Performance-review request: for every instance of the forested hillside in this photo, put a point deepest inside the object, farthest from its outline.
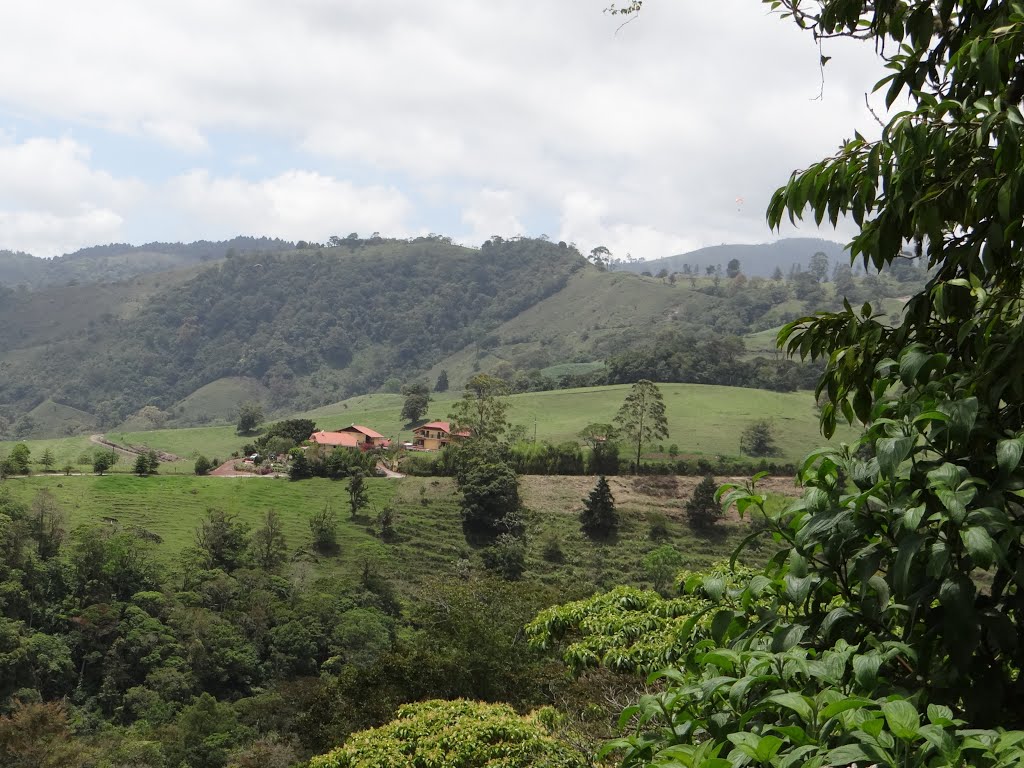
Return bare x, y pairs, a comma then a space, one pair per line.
313, 325
120, 261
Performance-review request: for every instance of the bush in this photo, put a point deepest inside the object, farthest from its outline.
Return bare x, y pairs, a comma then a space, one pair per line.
658, 526
758, 439
506, 557
202, 465
552, 550
702, 510
599, 518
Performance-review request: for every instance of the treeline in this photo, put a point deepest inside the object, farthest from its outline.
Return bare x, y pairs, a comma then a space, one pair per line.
108, 658
544, 458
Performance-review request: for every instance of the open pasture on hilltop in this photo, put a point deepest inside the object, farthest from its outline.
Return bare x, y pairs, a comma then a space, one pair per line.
430, 541
703, 420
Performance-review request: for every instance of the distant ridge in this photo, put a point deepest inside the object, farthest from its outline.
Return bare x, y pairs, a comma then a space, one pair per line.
755, 260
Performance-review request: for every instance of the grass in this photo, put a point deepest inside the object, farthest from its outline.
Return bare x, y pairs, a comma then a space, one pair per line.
703, 419
430, 540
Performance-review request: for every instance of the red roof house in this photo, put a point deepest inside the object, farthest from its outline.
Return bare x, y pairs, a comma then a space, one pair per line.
435, 435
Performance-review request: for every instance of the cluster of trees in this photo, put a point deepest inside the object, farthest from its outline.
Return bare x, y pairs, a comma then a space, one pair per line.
108, 657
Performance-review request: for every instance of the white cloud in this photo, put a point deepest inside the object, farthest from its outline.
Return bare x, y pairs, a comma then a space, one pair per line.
45, 234
492, 212
661, 124
297, 205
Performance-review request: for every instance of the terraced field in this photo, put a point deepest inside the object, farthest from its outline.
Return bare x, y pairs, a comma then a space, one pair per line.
169, 509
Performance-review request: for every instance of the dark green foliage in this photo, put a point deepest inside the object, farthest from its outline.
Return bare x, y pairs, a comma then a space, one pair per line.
357, 493
250, 416
758, 439
546, 459
506, 557
103, 461
299, 468
202, 465
490, 496
222, 540
19, 458
141, 465
702, 510
324, 527
551, 550
415, 405
47, 459
296, 430
657, 526
442, 382
599, 518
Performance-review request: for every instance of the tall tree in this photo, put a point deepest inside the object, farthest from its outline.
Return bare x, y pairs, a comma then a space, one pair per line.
442, 382
269, 546
417, 400
732, 269
641, 419
357, 494
819, 266
482, 408
599, 518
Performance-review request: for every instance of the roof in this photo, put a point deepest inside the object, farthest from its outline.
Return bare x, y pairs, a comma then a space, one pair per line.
345, 439
444, 426
362, 430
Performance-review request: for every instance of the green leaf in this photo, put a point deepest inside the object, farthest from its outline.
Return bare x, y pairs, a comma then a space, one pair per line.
891, 451
980, 546
795, 702
902, 718
1008, 454
851, 702
865, 670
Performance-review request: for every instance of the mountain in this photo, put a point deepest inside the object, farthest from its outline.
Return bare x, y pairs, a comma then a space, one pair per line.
755, 260
106, 263
311, 326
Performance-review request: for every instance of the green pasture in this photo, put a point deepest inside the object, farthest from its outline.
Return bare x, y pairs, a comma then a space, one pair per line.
703, 420
430, 540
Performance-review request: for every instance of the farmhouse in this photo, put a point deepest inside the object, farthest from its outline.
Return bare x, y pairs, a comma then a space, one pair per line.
367, 437
354, 436
435, 435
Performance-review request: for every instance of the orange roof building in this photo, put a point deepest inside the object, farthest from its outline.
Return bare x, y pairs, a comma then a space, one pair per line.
435, 435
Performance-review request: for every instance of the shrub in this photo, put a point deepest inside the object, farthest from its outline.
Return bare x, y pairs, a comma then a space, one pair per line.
702, 509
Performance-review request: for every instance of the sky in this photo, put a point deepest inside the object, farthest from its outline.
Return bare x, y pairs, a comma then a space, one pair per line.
128, 121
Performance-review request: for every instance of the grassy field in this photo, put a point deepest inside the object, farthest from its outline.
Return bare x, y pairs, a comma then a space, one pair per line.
703, 420
430, 536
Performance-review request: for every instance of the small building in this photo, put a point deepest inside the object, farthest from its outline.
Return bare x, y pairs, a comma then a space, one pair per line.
435, 436
367, 437
335, 439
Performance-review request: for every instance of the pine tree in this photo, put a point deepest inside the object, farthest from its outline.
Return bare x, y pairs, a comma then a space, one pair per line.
442, 382
47, 459
141, 465
599, 518
702, 509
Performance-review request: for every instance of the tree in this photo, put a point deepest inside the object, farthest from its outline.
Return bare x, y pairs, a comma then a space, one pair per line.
602, 439
250, 416
599, 518
47, 459
442, 382
141, 465
103, 461
269, 546
202, 465
324, 527
19, 458
702, 509
486, 734
482, 408
758, 439
357, 493
732, 269
417, 400
490, 497
295, 430
777, 274
221, 540
889, 572
641, 418
818, 266
506, 557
